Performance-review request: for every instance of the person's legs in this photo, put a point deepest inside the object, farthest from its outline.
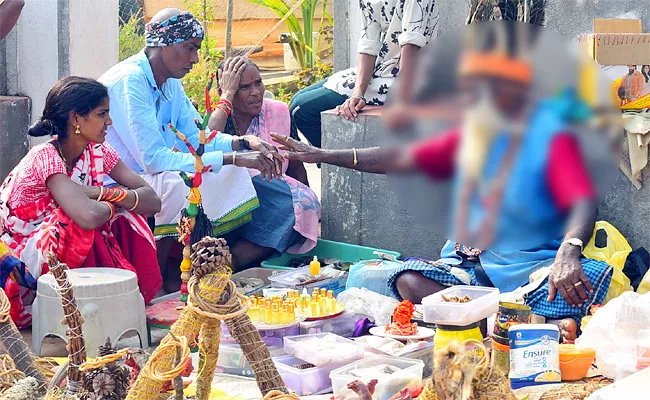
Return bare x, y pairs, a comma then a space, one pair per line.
414, 286
306, 107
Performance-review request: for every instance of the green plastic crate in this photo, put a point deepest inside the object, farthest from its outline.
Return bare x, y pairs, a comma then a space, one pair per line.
326, 248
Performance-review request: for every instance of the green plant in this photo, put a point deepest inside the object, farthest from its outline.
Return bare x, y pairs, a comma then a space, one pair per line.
130, 36
307, 77
300, 37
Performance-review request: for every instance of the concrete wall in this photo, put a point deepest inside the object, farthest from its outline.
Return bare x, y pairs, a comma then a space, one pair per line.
57, 38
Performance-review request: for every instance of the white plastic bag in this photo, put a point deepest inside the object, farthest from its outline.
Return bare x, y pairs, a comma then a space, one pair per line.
375, 306
614, 331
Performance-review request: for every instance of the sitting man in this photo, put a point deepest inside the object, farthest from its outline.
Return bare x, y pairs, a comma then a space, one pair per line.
147, 95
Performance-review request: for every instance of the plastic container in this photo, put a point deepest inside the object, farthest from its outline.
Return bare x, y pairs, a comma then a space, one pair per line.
343, 325
259, 273
290, 280
485, 302
408, 373
445, 334
232, 361
305, 382
323, 349
575, 362
271, 337
326, 248
534, 355
500, 357
372, 275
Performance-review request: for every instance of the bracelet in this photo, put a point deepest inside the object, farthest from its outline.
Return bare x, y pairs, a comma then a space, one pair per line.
244, 144
101, 193
137, 200
226, 102
355, 161
358, 96
111, 208
234, 154
114, 195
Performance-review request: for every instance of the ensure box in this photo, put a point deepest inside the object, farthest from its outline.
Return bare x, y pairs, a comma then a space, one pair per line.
534, 355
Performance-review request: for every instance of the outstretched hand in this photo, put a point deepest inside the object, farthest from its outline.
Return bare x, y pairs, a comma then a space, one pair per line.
296, 150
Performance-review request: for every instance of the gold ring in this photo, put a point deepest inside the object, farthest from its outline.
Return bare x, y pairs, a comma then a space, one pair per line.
577, 284
286, 140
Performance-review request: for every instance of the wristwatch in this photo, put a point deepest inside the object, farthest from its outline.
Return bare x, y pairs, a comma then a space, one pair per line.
575, 242
243, 144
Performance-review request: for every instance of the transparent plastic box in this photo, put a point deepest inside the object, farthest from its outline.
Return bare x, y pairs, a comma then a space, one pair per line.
271, 337
290, 279
323, 349
232, 361
343, 325
408, 374
484, 302
305, 382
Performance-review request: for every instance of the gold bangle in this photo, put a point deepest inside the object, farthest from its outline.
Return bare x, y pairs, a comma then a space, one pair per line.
234, 154
137, 200
101, 193
355, 162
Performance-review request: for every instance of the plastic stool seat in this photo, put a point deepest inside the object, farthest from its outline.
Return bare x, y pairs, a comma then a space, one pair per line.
109, 300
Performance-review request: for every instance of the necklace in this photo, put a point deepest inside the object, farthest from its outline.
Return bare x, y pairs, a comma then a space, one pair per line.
59, 149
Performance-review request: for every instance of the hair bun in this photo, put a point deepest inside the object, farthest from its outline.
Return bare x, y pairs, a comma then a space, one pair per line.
43, 127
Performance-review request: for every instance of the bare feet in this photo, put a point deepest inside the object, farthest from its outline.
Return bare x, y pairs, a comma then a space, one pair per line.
568, 329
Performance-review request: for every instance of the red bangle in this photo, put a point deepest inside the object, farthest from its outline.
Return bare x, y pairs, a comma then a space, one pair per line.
226, 102
111, 208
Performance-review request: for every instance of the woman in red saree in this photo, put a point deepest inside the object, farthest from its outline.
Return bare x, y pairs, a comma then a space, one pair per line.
55, 199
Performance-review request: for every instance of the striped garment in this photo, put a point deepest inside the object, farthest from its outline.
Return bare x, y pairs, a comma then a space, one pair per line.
598, 273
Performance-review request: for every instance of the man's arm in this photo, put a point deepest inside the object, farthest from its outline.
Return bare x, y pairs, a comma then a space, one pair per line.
136, 122
9, 14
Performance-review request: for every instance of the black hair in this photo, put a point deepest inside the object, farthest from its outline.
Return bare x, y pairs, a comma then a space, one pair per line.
621, 92
248, 61
646, 75
72, 93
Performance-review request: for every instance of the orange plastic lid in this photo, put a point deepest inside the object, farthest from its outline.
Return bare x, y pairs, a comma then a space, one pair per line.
570, 351
499, 346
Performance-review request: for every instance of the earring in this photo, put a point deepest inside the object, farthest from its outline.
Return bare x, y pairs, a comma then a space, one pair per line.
78, 131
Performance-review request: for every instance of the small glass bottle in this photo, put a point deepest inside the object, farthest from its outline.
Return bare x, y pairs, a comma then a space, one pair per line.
322, 302
275, 315
267, 312
331, 302
315, 306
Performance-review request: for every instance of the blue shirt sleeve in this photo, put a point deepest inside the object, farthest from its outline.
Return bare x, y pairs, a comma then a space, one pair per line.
136, 123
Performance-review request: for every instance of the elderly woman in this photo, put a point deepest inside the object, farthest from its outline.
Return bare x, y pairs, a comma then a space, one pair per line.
287, 218
55, 199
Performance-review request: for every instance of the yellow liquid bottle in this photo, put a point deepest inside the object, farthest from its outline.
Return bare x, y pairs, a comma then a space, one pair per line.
275, 315
331, 302
267, 312
314, 267
253, 310
315, 306
322, 303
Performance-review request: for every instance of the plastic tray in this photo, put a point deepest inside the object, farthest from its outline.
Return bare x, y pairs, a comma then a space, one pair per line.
288, 280
345, 351
423, 352
485, 302
343, 325
305, 382
410, 375
326, 248
273, 337
232, 361
260, 273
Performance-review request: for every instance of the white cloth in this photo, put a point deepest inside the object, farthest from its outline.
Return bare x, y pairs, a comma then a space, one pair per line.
519, 295
387, 25
226, 196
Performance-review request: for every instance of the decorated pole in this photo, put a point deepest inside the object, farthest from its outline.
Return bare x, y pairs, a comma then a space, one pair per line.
188, 231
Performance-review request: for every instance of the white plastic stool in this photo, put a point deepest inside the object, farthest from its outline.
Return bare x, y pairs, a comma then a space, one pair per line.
108, 298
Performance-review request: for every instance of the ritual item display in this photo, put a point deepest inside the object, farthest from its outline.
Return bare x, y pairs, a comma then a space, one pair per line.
212, 298
293, 308
462, 373
323, 349
76, 346
107, 377
402, 325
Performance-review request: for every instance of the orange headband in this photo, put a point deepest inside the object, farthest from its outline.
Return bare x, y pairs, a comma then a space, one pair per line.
497, 66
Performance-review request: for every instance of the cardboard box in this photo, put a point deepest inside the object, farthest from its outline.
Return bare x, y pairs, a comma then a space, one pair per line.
623, 52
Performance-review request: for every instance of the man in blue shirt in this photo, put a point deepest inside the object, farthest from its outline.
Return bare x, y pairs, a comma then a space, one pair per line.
146, 95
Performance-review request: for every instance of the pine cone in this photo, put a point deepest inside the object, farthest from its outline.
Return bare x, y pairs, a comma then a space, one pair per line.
209, 255
106, 349
88, 378
104, 384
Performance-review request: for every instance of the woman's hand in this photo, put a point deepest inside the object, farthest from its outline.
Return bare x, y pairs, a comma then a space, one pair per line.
230, 75
298, 151
92, 192
257, 160
267, 149
351, 107
568, 277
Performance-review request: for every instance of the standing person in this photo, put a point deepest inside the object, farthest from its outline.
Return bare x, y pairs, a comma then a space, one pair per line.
290, 222
147, 95
632, 83
392, 33
55, 199
645, 71
9, 14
